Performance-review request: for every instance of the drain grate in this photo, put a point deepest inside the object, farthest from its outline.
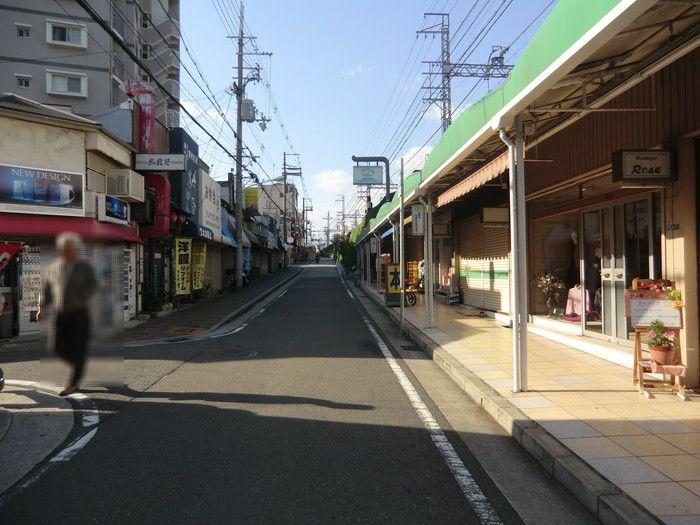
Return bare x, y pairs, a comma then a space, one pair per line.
186, 330
238, 353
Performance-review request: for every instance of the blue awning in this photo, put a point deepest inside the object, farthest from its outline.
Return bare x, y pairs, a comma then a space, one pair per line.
227, 227
390, 231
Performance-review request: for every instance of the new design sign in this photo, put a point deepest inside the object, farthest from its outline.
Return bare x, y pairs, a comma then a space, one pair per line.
183, 184
34, 190
159, 162
367, 175
183, 265
647, 165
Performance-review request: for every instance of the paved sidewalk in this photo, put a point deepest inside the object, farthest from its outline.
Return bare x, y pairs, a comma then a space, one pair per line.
649, 448
33, 422
198, 317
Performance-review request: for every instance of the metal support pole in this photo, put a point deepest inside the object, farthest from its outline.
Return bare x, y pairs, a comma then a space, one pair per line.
514, 260
522, 247
429, 270
402, 252
379, 261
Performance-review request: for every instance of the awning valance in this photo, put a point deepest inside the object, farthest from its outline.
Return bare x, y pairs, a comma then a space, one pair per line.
480, 177
52, 225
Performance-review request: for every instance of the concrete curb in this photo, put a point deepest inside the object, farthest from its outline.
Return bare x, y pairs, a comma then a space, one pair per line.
5, 421
599, 495
250, 304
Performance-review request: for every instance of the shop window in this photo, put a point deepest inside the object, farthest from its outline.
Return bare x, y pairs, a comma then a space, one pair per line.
555, 273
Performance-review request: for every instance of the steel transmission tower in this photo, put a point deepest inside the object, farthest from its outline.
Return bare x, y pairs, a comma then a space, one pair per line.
445, 69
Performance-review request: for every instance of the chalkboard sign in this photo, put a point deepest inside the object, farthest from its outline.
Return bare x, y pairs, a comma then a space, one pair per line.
644, 306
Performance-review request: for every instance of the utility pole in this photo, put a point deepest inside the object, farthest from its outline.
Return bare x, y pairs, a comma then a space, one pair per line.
239, 90
239, 157
287, 171
341, 215
328, 228
305, 217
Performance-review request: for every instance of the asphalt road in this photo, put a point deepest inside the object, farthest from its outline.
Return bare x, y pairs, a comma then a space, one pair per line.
295, 416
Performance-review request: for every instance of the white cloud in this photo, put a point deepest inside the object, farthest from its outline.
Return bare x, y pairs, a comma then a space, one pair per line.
331, 181
434, 113
357, 70
414, 158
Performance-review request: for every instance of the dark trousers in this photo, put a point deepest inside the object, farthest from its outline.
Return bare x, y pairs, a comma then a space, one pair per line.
72, 334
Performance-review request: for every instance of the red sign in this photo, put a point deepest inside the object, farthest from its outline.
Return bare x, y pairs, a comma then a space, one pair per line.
146, 97
7, 251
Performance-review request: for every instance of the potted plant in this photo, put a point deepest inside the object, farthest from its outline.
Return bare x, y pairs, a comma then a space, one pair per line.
662, 345
676, 297
551, 287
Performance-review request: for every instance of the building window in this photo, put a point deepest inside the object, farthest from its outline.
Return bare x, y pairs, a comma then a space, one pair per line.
66, 34
23, 82
145, 51
67, 84
146, 20
24, 31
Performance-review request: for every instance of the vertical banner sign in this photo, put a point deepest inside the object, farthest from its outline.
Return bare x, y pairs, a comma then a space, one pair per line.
199, 257
183, 263
417, 219
393, 284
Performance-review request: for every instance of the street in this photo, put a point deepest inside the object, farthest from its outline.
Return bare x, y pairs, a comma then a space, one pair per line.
296, 417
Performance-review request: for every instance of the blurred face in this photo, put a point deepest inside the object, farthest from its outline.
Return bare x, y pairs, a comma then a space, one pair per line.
69, 251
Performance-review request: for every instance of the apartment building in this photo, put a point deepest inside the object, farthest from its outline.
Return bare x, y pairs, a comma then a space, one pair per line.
271, 201
53, 52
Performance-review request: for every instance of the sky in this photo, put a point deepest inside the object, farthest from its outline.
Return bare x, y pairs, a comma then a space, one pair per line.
345, 77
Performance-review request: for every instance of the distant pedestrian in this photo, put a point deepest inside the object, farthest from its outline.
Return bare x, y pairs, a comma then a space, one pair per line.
70, 283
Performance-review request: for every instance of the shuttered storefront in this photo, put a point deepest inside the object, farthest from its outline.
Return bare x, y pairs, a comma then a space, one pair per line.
484, 265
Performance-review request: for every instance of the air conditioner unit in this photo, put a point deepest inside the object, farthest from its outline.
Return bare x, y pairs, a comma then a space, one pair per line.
91, 206
126, 185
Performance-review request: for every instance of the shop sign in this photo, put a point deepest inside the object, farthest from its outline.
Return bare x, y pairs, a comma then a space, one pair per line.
40, 191
367, 175
183, 265
199, 257
649, 165
7, 251
393, 285
113, 210
417, 221
183, 184
159, 162
209, 205
644, 307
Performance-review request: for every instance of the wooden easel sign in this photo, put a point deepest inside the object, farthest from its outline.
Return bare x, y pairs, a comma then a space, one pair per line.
645, 306
645, 303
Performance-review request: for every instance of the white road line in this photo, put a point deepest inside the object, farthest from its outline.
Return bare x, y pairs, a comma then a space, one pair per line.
473, 494
280, 295
90, 418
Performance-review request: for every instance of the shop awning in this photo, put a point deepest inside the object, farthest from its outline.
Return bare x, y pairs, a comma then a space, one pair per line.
52, 225
480, 177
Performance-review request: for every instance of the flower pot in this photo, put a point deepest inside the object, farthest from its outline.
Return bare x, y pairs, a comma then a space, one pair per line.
664, 355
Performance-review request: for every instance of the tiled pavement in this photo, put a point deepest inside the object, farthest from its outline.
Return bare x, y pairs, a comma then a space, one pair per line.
648, 447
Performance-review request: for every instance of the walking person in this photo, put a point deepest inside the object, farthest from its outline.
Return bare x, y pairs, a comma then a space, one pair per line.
70, 283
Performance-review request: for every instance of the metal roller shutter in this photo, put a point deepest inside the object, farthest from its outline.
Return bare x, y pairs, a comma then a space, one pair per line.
496, 262
470, 267
484, 265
